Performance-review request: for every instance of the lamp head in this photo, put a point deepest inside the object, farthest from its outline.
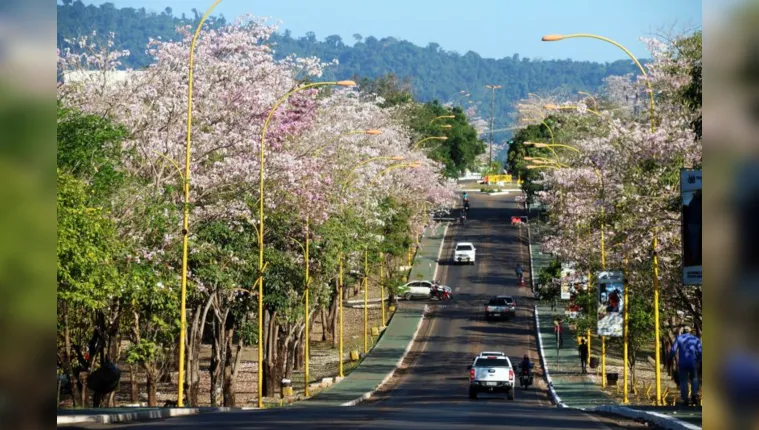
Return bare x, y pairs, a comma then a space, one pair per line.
552, 37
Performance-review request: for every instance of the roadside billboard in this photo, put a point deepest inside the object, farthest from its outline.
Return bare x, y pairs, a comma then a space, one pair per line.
692, 238
567, 280
611, 289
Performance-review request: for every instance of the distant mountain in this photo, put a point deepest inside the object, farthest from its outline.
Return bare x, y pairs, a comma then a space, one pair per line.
433, 72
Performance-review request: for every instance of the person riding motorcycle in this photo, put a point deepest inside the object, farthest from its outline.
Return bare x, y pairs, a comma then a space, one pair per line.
526, 364
526, 367
520, 272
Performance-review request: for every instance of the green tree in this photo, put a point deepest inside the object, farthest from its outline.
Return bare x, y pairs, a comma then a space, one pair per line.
459, 152
89, 283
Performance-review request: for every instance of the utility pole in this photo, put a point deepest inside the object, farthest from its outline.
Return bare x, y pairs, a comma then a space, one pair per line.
492, 118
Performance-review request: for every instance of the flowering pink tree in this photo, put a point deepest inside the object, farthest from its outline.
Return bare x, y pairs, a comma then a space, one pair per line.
309, 156
625, 178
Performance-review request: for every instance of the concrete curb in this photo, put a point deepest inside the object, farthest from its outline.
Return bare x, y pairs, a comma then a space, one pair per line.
158, 413
662, 420
554, 396
439, 252
361, 301
368, 395
529, 249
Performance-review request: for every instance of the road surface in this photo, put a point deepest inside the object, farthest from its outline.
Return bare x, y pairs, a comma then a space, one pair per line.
431, 393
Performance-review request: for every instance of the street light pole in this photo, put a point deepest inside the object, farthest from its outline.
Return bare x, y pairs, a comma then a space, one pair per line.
260, 229
307, 391
558, 37
340, 317
366, 299
382, 287
492, 119
186, 215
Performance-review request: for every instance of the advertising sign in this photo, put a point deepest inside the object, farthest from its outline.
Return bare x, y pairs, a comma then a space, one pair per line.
691, 190
567, 279
611, 289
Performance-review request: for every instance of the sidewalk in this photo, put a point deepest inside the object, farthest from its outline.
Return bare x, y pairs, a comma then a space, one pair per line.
425, 261
572, 387
396, 340
374, 370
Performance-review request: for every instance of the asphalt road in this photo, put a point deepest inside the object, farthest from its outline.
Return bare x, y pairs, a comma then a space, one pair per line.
431, 393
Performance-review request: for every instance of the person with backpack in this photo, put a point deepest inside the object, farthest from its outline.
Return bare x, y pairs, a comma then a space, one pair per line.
689, 348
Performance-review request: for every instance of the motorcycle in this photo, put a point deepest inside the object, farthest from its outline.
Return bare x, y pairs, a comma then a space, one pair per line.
525, 378
440, 292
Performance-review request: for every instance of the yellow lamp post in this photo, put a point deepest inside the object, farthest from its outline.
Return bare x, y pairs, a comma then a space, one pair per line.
595, 102
412, 165
441, 117
260, 229
340, 282
349, 176
556, 107
557, 37
306, 345
657, 334
625, 377
186, 215
416, 145
366, 299
370, 132
340, 317
548, 127
543, 160
492, 87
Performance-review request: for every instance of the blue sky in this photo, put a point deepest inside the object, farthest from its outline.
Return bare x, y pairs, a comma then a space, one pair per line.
491, 28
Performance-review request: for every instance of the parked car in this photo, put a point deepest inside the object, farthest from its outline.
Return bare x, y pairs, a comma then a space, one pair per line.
420, 290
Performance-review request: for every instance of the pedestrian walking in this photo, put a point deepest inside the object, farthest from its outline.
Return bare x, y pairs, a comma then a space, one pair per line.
688, 362
583, 349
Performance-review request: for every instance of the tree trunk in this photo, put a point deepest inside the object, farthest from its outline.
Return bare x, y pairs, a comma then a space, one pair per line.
272, 373
83, 381
325, 326
134, 389
197, 342
218, 354
67, 366
151, 385
229, 367
332, 318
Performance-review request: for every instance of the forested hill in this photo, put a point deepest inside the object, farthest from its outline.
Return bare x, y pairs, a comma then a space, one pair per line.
433, 72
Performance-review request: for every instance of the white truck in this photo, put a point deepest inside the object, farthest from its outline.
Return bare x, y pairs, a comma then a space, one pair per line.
464, 252
500, 307
491, 374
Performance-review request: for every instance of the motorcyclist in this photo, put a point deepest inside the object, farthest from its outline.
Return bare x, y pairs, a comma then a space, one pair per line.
526, 364
466, 196
526, 367
520, 272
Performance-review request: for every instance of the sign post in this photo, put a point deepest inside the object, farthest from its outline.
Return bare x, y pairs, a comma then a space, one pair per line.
610, 304
692, 239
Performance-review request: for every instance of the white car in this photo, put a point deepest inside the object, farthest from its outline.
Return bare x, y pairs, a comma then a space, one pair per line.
419, 289
491, 374
464, 252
